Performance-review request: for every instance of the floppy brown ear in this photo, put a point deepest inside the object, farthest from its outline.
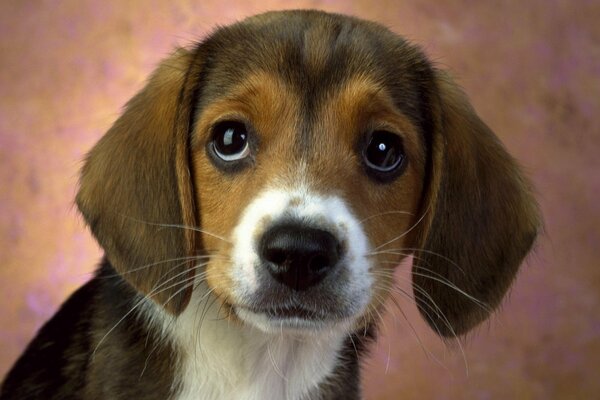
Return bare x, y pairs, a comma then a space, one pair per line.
481, 219
137, 178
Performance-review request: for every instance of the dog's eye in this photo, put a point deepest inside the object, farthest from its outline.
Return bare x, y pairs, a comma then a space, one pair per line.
384, 152
230, 140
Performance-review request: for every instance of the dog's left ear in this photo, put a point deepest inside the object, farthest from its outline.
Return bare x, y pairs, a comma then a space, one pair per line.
480, 218
136, 192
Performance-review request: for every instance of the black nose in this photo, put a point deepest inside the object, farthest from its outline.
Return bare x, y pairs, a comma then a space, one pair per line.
297, 256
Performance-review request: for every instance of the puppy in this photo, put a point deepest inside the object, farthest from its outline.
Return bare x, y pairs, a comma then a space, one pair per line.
252, 202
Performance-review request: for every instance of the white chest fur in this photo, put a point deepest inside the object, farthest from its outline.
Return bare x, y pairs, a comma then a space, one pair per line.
220, 360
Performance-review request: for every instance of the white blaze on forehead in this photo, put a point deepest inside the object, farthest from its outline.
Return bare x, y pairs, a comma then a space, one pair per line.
306, 207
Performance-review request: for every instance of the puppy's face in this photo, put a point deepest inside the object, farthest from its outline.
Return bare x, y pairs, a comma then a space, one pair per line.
303, 185
307, 154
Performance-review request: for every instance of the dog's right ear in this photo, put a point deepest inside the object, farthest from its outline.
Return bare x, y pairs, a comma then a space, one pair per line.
136, 191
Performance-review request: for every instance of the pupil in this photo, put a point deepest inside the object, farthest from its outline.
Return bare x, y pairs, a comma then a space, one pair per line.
384, 151
231, 138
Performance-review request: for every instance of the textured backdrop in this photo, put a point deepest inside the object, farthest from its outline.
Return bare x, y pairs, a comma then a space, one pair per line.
531, 68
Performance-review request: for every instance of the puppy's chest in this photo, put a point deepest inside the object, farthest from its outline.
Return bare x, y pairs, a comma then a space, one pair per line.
220, 360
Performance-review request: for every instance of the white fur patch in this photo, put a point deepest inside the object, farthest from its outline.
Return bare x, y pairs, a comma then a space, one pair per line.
220, 360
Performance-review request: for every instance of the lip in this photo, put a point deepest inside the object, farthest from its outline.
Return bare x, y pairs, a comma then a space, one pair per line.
295, 312
291, 319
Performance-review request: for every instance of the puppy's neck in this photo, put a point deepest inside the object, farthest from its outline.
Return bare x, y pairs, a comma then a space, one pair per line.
222, 359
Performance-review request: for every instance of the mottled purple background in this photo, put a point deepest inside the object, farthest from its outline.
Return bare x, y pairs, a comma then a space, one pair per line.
531, 68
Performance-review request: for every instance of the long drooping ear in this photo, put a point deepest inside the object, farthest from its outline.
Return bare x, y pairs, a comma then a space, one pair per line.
480, 219
136, 192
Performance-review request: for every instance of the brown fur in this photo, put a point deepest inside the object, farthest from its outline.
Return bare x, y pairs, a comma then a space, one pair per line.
137, 178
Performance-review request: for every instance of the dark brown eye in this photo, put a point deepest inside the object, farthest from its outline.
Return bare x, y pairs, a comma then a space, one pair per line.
230, 140
384, 152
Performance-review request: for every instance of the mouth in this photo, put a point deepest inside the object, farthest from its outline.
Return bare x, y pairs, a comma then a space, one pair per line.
289, 311
294, 318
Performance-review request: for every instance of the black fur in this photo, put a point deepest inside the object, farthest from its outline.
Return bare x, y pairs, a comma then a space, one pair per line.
64, 360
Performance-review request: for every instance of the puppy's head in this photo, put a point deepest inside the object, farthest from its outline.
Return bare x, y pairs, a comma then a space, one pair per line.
290, 161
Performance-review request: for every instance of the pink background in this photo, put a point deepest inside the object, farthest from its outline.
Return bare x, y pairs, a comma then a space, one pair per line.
531, 68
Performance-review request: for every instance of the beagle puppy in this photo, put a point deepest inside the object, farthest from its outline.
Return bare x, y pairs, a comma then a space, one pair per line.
253, 200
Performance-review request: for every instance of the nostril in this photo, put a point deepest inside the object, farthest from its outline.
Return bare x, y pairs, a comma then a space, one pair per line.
319, 264
275, 255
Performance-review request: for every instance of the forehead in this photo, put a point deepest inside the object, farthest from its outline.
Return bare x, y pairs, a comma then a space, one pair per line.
315, 55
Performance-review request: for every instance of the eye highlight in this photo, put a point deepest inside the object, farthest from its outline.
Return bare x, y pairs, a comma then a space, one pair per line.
230, 140
384, 154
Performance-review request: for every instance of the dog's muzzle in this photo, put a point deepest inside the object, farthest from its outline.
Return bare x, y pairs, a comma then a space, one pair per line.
306, 268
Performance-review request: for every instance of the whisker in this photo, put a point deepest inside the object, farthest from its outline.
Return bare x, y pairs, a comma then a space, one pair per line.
273, 363
449, 284
439, 278
199, 325
192, 228
147, 359
403, 293
437, 311
195, 229
151, 294
189, 282
431, 304
353, 345
385, 213
187, 258
405, 232
412, 250
380, 300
